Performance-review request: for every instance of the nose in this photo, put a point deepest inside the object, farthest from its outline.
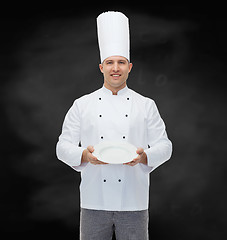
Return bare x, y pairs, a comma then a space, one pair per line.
115, 67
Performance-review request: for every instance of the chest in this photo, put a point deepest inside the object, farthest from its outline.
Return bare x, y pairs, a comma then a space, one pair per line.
112, 118
114, 113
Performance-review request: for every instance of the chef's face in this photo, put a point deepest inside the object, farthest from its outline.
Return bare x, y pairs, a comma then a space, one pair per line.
115, 70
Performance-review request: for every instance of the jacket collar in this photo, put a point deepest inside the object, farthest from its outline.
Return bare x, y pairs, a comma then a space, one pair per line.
121, 92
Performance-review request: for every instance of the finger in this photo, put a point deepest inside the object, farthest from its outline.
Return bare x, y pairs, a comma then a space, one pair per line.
140, 151
136, 159
91, 157
132, 163
95, 162
128, 163
100, 162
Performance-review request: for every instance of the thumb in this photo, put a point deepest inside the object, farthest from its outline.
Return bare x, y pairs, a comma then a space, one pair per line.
90, 149
140, 151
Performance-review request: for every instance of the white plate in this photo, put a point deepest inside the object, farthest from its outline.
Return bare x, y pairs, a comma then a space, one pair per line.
115, 152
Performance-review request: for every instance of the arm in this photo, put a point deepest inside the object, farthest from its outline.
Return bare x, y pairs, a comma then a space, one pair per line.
160, 146
67, 148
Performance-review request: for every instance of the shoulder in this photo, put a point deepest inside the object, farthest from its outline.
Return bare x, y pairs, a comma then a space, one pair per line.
146, 103
87, 98
142, 99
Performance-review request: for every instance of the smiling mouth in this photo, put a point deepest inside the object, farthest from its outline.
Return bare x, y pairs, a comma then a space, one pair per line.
115, 75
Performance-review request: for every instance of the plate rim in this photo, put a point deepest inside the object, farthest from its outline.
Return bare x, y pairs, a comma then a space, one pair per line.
101, 145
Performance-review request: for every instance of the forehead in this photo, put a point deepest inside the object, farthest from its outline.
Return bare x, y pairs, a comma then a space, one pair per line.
116, 58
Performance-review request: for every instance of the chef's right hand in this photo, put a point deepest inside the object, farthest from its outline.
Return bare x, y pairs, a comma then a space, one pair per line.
87, 156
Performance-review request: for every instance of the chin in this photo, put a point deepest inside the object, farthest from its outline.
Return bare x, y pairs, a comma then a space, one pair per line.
116, 83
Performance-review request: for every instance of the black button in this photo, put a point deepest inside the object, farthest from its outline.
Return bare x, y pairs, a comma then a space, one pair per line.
104, 180
126, 115
100, 115
128, 98
101, 137
100, 98
123, 137
119, 180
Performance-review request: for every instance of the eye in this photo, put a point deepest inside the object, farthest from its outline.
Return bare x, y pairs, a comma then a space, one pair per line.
122, 62
109, 63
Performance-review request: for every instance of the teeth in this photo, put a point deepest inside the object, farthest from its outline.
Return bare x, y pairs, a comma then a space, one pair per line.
115, 75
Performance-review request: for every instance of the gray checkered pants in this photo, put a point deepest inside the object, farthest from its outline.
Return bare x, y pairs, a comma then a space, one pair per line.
100, 225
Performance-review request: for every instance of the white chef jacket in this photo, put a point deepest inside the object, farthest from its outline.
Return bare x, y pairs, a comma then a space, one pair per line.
102, 116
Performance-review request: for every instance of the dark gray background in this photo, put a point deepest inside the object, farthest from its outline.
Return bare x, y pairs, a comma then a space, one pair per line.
50, 58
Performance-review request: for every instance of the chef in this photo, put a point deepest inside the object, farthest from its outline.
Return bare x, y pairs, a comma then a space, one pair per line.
114, 197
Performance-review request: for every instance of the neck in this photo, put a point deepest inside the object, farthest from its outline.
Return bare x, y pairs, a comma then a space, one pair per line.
113, 89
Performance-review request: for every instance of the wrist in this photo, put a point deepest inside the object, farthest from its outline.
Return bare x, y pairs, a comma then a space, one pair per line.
84, 156
144, 159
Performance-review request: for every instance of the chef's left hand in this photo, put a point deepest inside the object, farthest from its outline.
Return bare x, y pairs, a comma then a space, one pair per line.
141, 158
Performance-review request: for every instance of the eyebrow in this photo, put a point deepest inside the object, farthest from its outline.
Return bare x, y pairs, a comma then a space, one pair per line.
121, 60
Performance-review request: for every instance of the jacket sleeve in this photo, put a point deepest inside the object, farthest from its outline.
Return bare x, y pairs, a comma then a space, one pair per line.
160, 147
67, 148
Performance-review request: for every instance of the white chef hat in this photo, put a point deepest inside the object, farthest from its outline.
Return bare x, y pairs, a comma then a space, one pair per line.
113, 35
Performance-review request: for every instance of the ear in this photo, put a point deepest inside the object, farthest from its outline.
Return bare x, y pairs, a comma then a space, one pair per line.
101, 67
130, 67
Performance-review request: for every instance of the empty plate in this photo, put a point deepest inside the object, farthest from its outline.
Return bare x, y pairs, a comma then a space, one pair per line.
115, 152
